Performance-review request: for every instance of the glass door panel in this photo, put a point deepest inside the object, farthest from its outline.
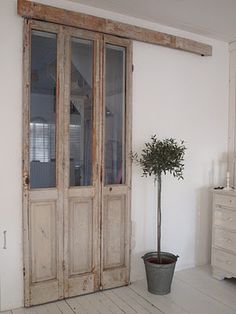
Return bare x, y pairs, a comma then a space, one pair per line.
81, 112
42, 149
114, 114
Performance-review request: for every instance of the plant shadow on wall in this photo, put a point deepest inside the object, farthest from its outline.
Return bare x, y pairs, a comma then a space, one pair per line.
158, 158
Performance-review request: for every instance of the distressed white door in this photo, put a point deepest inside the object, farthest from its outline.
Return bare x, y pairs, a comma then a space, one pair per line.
76, 164
43, 163
116, 174
81, 155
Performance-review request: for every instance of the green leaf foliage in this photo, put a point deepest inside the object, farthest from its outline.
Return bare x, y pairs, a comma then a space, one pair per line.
161, 156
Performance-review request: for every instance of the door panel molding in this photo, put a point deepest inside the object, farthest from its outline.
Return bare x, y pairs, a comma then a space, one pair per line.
114, 231
43, 235
80, 236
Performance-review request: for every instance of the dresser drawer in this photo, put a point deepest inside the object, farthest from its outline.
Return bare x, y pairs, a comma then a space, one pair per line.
225, 200
225, 218
224, 239
224, 261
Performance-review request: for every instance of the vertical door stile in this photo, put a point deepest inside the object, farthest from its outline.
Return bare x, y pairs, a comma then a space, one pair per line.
25, 164
101, 152
129, 119
101, 175
60, 158
67, 67
97, 118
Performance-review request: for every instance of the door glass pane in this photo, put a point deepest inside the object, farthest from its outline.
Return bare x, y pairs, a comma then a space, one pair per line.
81, 112
115, 115
42, 148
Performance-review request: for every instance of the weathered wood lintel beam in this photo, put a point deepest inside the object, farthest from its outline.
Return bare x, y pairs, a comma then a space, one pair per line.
33, 10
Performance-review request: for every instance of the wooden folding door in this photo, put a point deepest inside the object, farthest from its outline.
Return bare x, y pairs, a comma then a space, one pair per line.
76, 165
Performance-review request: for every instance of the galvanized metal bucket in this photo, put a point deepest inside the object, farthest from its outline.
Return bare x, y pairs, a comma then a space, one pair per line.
159, 276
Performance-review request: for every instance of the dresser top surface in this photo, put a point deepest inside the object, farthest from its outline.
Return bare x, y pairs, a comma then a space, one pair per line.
225, 192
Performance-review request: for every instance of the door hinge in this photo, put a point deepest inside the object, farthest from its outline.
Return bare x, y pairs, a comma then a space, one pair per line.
26, 181
24, 271
132, 68
63, 266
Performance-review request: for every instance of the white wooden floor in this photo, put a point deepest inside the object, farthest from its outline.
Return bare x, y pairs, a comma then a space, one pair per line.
193, 291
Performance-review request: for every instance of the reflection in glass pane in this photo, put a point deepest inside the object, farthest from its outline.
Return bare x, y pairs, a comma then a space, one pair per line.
42, 149
115, 115
81, 112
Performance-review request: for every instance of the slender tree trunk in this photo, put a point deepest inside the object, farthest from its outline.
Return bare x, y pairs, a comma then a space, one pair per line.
159, 218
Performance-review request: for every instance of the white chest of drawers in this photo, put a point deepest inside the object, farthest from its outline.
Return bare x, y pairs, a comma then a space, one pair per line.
223, 254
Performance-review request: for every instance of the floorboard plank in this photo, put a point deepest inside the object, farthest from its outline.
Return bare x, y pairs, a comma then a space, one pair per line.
111, 307
64, 307
200, 278
123, 306
54, 308
50, 308
30, 310
194, 301
160, 302
92, 303
80, 305
138, 304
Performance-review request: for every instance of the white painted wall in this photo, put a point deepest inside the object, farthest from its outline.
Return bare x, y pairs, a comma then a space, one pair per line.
183, 96
10, 158
176, 94
232, 112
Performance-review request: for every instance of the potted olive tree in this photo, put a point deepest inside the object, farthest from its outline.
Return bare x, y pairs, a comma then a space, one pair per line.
158, 158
